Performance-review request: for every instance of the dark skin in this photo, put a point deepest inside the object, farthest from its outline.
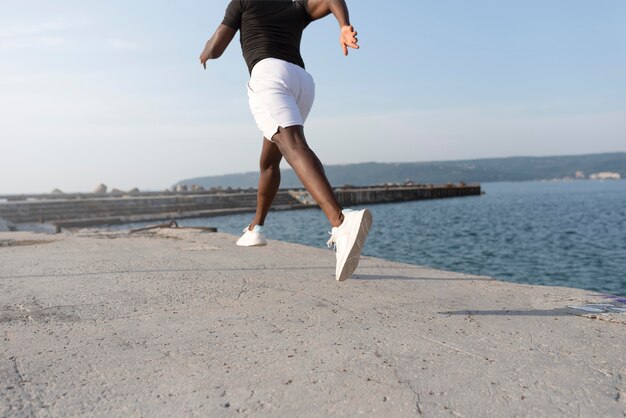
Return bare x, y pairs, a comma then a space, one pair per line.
290, 142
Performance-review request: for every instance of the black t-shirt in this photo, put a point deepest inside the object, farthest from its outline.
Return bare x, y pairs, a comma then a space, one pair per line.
269, 28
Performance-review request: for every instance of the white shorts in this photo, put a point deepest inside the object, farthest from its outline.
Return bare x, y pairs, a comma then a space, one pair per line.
280, 94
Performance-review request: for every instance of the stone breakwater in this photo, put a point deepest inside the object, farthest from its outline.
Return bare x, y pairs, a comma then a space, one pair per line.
81, 210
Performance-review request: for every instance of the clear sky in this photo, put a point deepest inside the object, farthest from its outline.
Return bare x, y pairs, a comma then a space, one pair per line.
112, 91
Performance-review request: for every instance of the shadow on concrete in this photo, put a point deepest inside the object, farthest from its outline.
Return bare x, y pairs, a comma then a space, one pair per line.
514, 312
397, 277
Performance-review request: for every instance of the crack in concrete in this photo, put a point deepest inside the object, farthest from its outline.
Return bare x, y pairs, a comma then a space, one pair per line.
30, 404
416, 396
243, 288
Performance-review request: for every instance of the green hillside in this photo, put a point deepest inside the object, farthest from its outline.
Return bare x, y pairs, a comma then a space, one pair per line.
469, 171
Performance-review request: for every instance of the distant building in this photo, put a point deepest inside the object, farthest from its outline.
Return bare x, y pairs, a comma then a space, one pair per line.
580, 175
605, 175
101, 189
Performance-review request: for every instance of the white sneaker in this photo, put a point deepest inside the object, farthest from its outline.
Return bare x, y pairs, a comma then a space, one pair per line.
254, 238
348, 239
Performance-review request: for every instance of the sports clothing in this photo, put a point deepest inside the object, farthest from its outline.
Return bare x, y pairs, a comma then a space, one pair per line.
280, 94
254, 238
348, 240
269, 28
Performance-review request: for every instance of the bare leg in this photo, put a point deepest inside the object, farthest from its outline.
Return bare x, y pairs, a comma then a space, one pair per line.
269, 181
292, 145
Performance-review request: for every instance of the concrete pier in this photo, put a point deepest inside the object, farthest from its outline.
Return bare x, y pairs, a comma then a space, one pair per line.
184, 323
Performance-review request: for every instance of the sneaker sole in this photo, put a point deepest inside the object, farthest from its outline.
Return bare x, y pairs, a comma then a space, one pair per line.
263, 244
359, 230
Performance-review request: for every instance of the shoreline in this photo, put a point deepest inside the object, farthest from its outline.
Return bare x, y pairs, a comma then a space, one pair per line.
436, 251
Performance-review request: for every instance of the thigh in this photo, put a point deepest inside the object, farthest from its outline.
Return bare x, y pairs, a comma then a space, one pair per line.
279, 100
307, 95
273, 105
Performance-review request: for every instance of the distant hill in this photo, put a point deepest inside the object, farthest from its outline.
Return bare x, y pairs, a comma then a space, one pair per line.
435, 172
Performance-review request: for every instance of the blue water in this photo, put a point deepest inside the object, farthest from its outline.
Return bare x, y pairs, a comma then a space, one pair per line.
553, 233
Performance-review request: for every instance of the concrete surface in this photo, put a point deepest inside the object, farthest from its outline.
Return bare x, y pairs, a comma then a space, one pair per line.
182, 323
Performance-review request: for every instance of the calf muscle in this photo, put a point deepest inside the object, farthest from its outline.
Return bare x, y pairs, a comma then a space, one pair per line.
309, 169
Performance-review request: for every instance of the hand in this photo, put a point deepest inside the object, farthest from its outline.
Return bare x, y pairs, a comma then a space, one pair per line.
348, 39
204, 56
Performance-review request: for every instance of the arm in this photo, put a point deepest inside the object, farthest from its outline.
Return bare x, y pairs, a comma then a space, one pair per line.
218, 43
319, 9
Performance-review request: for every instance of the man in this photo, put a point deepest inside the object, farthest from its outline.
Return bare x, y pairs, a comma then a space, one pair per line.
281, 95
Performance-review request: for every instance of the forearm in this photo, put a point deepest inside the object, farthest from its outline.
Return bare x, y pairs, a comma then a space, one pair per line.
339, 9
215, 46
319, 9
218, 43
211, 52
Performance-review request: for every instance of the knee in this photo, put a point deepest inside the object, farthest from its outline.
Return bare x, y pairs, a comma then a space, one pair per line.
290, 139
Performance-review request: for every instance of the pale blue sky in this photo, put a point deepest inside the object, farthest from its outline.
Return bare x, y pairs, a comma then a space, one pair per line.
112, 91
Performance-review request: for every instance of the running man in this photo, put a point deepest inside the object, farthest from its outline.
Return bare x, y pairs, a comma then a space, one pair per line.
281, 94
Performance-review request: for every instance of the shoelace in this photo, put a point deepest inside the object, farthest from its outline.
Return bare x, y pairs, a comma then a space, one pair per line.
332, 242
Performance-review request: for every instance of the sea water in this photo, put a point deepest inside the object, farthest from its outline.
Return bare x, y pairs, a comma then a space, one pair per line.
562, 233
